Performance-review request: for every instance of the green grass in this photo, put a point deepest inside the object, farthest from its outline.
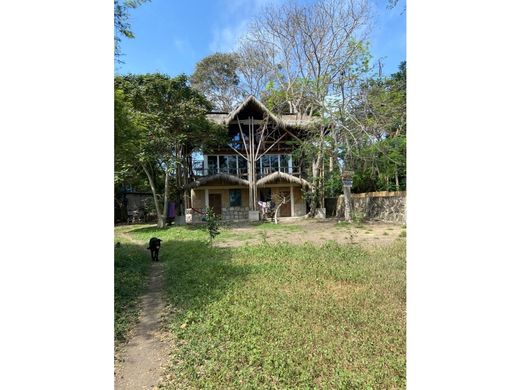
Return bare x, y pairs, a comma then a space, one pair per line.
283, 316
131, 268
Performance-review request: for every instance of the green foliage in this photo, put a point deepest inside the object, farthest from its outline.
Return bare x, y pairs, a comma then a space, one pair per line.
160, 121
275, 99
216, 77
374, 146
172, 113
377, 166
128, 136
212, 224
384, 107
333, 186
122, 26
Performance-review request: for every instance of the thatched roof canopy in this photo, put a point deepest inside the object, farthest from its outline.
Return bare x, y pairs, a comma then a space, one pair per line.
219, 176
282, 176
251, 106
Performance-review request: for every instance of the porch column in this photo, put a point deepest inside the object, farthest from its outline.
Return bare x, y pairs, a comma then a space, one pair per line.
292, 202
206, 197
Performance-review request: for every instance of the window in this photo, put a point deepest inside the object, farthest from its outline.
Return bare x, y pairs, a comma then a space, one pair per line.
242, 165
258, 169
222, 162
235, 198
212, 165
266, 166
274, 162
284, 162
232, 164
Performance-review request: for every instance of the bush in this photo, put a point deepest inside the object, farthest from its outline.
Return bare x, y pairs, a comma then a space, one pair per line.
212, 224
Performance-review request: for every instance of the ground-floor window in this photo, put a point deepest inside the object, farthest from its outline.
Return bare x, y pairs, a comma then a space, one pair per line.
235, 198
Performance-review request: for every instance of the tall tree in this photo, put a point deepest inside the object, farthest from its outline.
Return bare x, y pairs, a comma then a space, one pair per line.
216, 77
171, 125
311, 50
376, 123
255, 74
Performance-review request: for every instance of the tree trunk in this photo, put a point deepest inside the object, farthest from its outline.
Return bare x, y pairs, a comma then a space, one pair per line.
316, 186
161, 223
154, 192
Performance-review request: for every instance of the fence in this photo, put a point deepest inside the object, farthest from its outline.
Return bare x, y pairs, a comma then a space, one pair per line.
383, 206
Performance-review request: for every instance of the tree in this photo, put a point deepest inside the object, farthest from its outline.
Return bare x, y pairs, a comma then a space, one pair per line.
279, 199
122, 26
380, 116
216, 77
312, 52
169, 124
255, 74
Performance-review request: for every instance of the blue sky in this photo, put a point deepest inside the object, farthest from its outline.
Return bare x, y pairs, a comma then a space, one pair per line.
172, 36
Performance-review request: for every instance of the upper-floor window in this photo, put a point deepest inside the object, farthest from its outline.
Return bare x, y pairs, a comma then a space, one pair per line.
237, 165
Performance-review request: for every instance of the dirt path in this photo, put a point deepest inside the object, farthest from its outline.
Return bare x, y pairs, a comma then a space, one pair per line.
143, 358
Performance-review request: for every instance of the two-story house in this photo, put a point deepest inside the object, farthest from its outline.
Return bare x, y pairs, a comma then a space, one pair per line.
257, 165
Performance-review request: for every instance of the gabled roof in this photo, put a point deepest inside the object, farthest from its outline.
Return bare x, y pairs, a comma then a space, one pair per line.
251, 102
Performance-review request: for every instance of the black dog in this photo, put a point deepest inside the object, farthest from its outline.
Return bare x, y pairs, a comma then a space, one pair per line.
154, 246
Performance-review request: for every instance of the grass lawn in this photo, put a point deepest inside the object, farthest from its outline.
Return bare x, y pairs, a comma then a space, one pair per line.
130, 279
283, 316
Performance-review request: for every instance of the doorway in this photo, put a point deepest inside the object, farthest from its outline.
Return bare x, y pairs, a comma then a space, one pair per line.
215, 202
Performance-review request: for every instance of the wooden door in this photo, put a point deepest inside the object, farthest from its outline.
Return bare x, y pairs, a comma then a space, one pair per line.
285, 209
215, 202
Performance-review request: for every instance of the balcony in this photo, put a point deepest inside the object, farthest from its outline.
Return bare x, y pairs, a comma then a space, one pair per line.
200, 171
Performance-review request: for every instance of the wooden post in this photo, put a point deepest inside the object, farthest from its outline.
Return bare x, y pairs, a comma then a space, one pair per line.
346, 194
292, 201
347, 183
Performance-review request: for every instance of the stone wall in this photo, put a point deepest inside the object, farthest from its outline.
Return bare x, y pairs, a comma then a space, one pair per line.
378, 206
235, 213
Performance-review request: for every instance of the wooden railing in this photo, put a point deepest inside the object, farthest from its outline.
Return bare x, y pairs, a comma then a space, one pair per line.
242, 172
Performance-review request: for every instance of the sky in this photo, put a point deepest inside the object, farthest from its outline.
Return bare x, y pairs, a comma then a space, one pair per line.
172, 36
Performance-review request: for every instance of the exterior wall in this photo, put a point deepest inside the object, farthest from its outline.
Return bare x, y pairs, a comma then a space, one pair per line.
197, 199
224, 196
228, 213
238, 213
300, 209
245, 197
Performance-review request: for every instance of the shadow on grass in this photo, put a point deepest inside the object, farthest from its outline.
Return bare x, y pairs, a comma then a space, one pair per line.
154, 229
197, 275
131, 269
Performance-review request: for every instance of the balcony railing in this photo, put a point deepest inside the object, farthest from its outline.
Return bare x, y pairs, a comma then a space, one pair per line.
242, 172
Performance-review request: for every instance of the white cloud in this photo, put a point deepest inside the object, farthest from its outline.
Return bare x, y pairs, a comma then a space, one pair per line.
226, 39
233, 22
